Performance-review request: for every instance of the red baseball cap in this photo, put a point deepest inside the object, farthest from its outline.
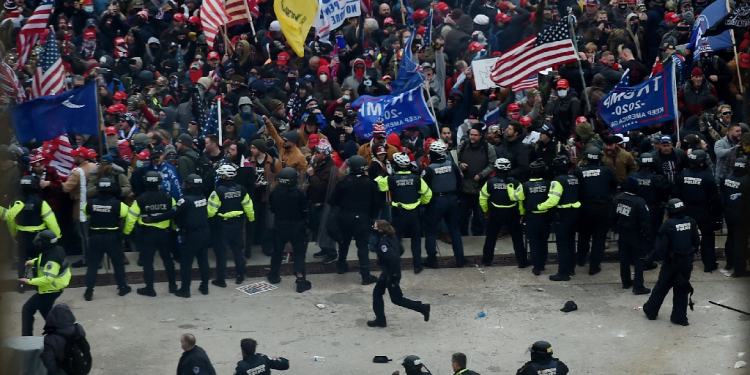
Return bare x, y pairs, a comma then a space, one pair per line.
581, 119
91, 154
672, 17
502, 17
36, 158
89, 34
179, 17
745, 60
80, 151
562, 84
143, 155
389, 21
421, 30
213, 55
475, 47
120, 95
525, 120
313, 140
419, 14
442, 7
283, 58
513, 107
111, 130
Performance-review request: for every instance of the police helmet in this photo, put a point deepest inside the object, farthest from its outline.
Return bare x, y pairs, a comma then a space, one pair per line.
502, 164
697, 157
594, 155
152, 179
227, 170
412, 363
561, 160
30, 183
741, 165
647, 160
630, 184
193, 181
45, 239
357, 165
402, 160
104, 185
288, 176
675, 206
538, 166
541, 347
439, 147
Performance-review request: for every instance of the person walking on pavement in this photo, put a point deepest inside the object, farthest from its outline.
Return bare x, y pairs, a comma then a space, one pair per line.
105, 211
500, 210
630, 215
389, 250
409, 193
155, 236
230, 202
735, 192
532, 194
597, 184
289, 206
563, 201
256, 363
442, 177
676, 242
52, 276
358, 199
194, 360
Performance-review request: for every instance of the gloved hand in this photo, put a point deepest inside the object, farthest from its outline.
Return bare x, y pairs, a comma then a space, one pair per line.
147, 219
193, 36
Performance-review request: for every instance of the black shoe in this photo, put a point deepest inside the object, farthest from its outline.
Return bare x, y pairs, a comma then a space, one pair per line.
523, 265
247, 254
431, 262
627, 285
320, 254
426, 311
650, 266
219, 283
203, 288
648, 315
88, 295
740, 273
369, 279
139, 262
342, 268
239, 279
487, 263
267, 252
536, 271
559, 277
146, 291
418, 270
641, 290
21, 288
376, 323
79, 264
172, 287
572, 272
729, 266
182, 293
460, 262
681, 322
594, 270
581, 262
711, 268
274, 279
303, 285
124, 290
329, 259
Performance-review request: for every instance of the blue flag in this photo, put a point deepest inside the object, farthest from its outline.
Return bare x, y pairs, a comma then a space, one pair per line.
409, 73
712, 14
492, 117
651, 102
427, 37
397, 112
48, 117
212, 124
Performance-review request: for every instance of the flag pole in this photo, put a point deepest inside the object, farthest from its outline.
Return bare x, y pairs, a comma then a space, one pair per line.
429, 100
736, 58
580, 68
219, 123
249, 18
674, 100
403, 13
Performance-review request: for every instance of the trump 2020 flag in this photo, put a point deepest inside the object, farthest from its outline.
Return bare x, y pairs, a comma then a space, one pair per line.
397, 112
48, 117
710, 16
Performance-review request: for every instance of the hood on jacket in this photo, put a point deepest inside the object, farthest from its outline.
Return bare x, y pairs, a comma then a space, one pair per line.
60, 320
394, 140
152, 40
350, 149
171, 114
465, 24
357, 61
585, 131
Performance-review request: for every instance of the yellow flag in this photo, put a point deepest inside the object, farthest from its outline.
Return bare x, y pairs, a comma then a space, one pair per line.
296, 17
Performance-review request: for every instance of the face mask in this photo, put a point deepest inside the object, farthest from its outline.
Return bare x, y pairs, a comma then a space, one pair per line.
622, 6
162, 119
368, 64
515, 115
88, 9
323, 78
562, 93
269, 85
359, 72
174, 84
69, 80
338, 118
405, 40
346, 97
246, 109
139, 163
634, 26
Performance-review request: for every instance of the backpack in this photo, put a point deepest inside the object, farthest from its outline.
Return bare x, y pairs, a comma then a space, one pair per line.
77, 355
205, 170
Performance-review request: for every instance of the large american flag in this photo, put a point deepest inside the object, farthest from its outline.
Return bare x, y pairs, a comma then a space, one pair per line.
527, 84
239, 10
29, 34
9, 84
49, 78
550, 48
213, 15
212, 124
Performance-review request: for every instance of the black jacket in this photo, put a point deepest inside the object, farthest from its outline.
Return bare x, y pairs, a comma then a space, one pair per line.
389, 251
515, 151
195, 362
259, 364
60, 325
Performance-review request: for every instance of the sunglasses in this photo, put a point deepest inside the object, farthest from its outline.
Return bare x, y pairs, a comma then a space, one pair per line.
729, 113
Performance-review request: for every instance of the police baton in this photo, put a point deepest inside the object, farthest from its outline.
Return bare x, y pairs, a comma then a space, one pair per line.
730, 308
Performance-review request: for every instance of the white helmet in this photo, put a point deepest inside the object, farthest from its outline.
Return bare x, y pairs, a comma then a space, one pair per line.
227, 170
439, 147
502, 164
401, 159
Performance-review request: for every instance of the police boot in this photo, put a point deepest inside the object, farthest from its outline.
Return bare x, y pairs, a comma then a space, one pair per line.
377, 323
369, 279
431, 261
426, 311
147, 291
303, 285
172, 287
342, 268
274, 279
650, 266
460, 262
203, 288
240, 279
641, 290
88, 295
219, 283
559, 277
124, 290
247, 253
184, 293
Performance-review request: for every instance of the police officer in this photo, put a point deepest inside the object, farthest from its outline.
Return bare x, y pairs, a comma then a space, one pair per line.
735, 192
191, 216
501, 211
358, 199
532, 194
442, 177
654, 189
563, 200
409, 192
105, 212
289, 206
389, 251
194, 360
231, 202
696, 187
597, 182
155, 235
28, 216
52, 276
256, 363
542, 361
413, 365
676, 242
630, 214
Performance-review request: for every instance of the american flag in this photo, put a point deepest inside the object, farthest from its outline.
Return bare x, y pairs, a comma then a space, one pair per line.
212, 124
213, 15
57, 152
238, 11
49, 78
9, 84
550, 48
29, 34
366, 6
427, 37
527, 84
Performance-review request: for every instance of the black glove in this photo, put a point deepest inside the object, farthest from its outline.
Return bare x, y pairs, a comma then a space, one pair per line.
147, 219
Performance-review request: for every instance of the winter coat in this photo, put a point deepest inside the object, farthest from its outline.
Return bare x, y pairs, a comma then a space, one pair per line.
58, 328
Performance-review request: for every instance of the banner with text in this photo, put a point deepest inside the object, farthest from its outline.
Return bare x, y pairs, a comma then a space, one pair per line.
397, 112
333, 13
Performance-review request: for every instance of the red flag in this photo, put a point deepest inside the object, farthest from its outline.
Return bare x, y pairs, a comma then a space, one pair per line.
213, 15
29, 34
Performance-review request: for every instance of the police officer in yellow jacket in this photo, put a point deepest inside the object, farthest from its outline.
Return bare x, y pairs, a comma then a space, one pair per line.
105, 212
230, 202
538, 220
28, 216
154, 236
409, 192
52, 276
501, 211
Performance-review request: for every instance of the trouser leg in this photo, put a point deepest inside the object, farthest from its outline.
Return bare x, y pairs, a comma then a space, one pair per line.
232, 233
115, 252
708, 242
624, 251
451, 218
660, 290
148, 248
398, 299
189, 252
97, 245
494, 225
565, 239
433, 215
378, 306
38, 302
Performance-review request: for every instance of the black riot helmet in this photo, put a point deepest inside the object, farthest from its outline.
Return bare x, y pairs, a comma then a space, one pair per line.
412, 363
193, 181
561, 163
594, 155
357, 165
152, 179
541, 350
288, 176
45, 239
647, 161
741, 167
30, 183
675, 207
697, 157
104, 186
538, 167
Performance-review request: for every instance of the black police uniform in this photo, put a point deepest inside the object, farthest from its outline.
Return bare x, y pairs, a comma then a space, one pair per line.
152, 239
389, 251
565, 217
443, 178
676, 242
630, 214
504, 212
358, 199
735, 192
231, 195
654, 189
597, 182
259, 364
405, 188
697, 188
537, 220
289, 206
104, 213
195, 362
553, 367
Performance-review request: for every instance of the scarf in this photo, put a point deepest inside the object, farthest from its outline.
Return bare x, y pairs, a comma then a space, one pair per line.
121, 51
88, 49
82, 203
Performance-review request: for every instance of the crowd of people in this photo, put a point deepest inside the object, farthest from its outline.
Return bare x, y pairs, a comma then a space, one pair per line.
283, 163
